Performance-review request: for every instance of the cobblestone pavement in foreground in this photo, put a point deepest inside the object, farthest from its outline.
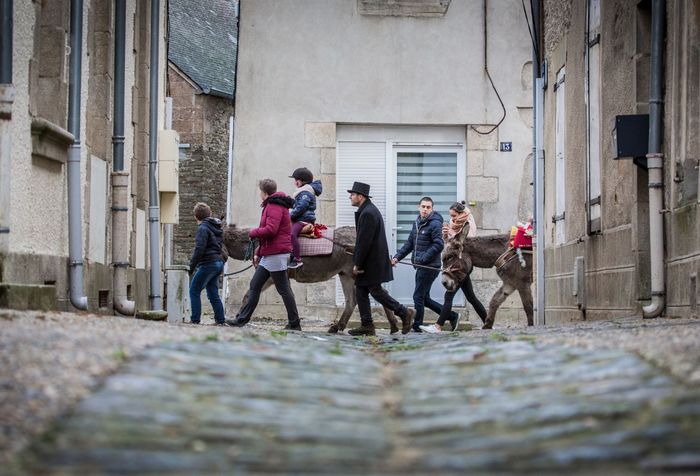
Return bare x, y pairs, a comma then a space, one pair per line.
469, 402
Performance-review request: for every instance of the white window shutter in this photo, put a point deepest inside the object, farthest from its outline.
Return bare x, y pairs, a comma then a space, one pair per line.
560, 163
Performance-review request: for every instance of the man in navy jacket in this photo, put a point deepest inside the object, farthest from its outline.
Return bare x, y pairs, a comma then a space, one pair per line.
425, 243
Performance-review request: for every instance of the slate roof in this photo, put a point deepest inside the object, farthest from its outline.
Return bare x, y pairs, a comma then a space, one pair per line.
202, 42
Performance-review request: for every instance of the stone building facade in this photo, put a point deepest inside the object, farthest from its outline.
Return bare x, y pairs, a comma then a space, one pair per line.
201, 74
34, 259
592, 79
202, 122
369, 86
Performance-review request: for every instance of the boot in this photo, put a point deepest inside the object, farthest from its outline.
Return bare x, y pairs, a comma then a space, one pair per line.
293, 326
407, 321
363, 330
237, 322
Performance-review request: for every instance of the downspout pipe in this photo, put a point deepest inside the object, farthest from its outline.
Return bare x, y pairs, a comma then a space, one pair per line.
6, 42
231, 138
75, 219
6, 101
154, 208
538, 162
655, 162
120, 178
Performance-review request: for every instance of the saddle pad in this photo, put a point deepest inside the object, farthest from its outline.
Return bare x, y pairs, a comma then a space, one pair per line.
317, 246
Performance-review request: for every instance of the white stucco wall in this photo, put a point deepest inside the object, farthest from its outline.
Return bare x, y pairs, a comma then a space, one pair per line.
320, 61
38, 223
39, 202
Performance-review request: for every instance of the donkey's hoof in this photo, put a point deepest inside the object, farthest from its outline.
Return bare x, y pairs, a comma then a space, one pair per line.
393, 329
488, 325
333, 329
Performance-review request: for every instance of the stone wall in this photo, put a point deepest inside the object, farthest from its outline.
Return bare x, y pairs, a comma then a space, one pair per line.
202, 121
617, 258
38, 242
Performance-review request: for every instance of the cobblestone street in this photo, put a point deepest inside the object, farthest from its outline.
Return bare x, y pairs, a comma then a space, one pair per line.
575, 399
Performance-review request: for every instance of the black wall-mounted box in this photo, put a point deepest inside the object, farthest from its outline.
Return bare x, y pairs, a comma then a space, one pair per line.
632, 138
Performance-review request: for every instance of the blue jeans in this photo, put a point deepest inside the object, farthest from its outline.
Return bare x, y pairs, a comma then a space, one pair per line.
421, 295
207, 276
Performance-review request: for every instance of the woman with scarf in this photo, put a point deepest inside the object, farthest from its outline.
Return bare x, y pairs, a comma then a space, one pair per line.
460, 216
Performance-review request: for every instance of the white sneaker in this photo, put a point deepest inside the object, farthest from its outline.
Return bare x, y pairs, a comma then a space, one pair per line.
431, 329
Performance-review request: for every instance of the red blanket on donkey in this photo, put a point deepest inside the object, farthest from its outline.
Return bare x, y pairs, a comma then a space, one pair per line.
321, 243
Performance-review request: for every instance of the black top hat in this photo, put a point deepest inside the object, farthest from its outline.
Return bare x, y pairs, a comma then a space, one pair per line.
303, 174
361, 188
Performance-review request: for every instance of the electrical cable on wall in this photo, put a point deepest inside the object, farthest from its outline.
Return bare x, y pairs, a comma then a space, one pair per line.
488, 75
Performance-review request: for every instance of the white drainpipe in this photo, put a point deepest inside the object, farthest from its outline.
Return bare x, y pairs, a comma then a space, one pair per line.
655, 163
120, 177
7, 97
75, 216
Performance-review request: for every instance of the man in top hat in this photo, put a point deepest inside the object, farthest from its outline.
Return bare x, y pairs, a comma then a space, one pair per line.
372, 264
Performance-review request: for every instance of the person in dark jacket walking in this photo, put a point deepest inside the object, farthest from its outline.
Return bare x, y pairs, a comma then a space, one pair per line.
425, 243
272, 255
371, 263
304, 210
206, 264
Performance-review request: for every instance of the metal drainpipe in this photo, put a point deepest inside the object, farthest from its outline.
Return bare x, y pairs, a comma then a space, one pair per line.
538, 164
75, 218
231, 138
153, 208
7, 94
655, 161
120, 178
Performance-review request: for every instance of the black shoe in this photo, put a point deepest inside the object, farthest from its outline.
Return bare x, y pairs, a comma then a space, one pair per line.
222, 323
192, 322
293, 326
363, 330
454, 320
417, 328
237, 322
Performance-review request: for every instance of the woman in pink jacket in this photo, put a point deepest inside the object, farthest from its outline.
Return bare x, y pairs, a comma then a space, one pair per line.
272, 255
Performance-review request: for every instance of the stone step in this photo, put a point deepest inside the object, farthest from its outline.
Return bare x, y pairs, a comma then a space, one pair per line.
36, 297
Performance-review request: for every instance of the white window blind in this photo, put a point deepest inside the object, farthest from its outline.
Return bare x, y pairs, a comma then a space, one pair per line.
420, 174
358, 162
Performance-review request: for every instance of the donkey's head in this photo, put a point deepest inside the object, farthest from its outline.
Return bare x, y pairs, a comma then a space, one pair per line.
456, 264
455, 267
236, 241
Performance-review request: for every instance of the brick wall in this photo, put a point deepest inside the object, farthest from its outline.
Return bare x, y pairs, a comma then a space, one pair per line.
202, 122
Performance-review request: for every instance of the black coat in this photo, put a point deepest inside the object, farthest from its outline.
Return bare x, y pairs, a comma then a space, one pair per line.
371, 249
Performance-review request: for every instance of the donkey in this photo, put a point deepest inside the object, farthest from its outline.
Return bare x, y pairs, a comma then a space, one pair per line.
462, 254
316, 269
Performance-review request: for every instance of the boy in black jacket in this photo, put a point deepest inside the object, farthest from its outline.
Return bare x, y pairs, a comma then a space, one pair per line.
206, 264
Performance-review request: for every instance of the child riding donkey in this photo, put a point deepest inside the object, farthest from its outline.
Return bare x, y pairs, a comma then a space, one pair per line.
304, 210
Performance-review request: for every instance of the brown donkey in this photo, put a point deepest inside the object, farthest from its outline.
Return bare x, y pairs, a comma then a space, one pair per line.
316, 269
462, 254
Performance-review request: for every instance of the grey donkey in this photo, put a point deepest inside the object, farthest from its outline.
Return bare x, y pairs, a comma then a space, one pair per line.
462, 254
